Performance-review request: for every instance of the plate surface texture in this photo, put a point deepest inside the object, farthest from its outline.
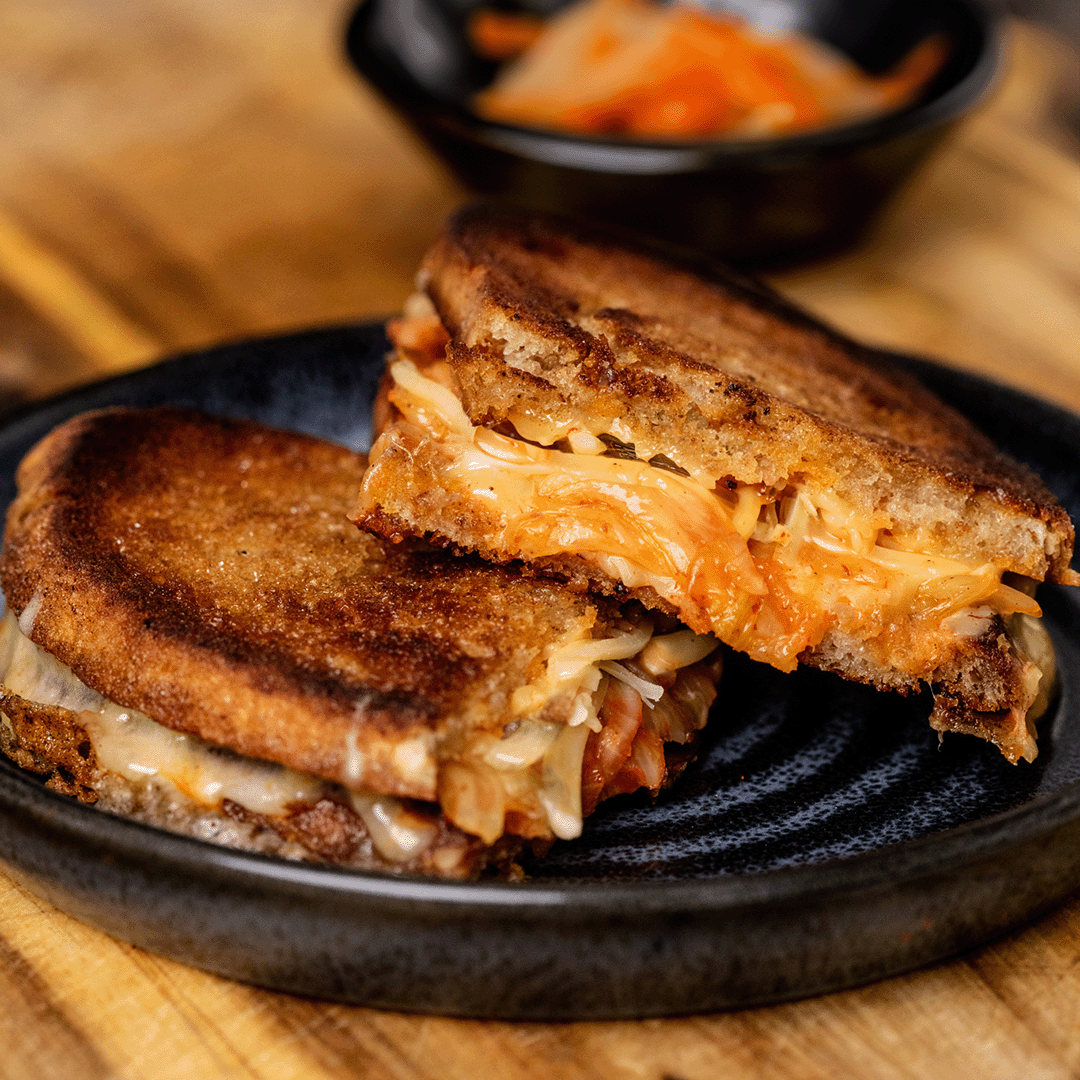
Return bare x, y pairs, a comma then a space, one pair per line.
822, 839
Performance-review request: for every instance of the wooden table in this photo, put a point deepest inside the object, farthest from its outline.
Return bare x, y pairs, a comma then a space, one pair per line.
179, 172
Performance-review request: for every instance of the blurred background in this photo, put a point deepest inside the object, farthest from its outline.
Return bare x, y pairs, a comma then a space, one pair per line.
175, 173
178, 173
1063, 15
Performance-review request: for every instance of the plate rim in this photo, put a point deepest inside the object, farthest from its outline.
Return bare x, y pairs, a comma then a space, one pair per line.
924, 855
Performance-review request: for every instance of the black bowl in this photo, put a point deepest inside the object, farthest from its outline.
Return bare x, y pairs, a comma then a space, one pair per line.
756, 202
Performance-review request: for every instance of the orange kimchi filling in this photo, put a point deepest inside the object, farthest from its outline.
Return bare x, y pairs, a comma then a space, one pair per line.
768, 570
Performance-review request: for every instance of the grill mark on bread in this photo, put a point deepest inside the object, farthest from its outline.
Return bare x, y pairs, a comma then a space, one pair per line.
174, 613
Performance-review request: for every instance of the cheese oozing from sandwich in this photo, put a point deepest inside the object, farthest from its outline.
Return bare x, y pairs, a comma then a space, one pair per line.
527, 780
770, 570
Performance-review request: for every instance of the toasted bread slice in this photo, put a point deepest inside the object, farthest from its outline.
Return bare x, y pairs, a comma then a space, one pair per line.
193, 603
639, 423
556, 327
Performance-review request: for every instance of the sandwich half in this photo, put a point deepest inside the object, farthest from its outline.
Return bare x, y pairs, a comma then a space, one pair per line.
197, 637
644, 426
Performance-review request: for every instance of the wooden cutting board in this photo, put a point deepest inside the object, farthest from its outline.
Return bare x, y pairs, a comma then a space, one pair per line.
174, 173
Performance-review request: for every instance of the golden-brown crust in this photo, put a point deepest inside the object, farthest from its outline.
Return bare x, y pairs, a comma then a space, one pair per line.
556, 320
203, 572
979, 690
49, 740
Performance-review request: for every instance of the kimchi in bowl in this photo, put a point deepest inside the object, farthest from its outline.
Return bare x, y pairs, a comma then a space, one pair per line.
748, 194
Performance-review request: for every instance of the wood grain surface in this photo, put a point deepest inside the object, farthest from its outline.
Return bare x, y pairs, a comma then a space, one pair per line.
174, 173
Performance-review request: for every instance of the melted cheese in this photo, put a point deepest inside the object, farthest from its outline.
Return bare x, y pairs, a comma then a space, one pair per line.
575, 667
132, 745
534, 764
768, 574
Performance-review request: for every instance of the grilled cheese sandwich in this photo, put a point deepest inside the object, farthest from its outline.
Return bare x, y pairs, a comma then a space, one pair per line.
882, 566
197, 637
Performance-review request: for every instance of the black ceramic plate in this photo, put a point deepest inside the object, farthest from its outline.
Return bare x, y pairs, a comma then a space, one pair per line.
822, 839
